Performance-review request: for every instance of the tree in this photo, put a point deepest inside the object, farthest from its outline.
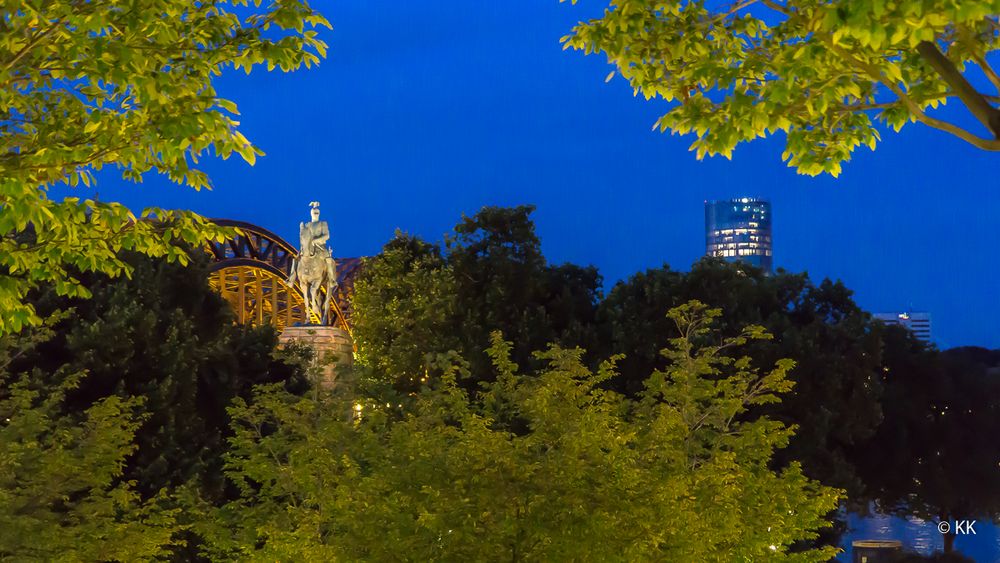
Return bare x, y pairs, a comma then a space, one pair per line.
404, 310
836, 347
821, 72
935, 455
62, 496
547, 466
505, 284
416, 302
87, 85
166, 336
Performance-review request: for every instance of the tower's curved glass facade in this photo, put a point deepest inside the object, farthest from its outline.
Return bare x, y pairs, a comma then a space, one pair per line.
739, 229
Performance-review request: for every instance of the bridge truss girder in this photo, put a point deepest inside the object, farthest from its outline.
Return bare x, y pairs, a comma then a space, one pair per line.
258, 295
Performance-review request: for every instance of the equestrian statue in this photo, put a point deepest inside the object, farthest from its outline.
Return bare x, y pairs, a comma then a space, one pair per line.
314, 267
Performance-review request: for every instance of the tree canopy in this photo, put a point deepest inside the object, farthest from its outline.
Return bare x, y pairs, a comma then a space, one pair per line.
62, 496
121, 405
166, 336
418, 301
835, 344
543, 465
128, 85
822, 72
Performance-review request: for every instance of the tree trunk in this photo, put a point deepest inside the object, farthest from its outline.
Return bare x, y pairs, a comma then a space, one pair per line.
949, 541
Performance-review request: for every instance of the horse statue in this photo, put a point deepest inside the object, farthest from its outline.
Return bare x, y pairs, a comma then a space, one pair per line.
314, 268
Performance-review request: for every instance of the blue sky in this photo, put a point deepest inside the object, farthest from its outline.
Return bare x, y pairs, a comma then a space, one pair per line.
424, 111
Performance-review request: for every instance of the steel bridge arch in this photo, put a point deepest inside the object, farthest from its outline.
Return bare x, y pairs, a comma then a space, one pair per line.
250, 271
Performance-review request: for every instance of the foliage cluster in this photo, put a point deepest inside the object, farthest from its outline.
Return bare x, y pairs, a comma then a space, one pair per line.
543, 466
421, 300
822, 72
113, 416
835, 344
65, 473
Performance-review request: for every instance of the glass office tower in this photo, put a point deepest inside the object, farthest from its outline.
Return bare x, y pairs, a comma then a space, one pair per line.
739, 229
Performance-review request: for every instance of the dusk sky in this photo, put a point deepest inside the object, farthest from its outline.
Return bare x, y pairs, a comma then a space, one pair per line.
425, 111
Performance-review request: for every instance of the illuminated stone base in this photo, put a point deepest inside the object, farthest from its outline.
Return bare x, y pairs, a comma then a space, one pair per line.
333, 346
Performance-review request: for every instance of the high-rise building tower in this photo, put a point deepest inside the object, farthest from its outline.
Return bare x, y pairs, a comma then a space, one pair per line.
739, 229
918, 323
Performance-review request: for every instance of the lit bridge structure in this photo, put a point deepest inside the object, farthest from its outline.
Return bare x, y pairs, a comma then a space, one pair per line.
250, 271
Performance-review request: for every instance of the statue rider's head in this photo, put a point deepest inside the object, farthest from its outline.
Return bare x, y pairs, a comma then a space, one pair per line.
314, 212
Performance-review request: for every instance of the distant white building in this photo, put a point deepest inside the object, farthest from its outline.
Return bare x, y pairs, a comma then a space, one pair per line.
918, 323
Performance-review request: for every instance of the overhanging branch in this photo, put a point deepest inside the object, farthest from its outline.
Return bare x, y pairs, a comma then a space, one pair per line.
971, 138
914, 107
977, 104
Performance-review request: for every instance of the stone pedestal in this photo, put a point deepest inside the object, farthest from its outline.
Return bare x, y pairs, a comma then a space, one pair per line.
333, 346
